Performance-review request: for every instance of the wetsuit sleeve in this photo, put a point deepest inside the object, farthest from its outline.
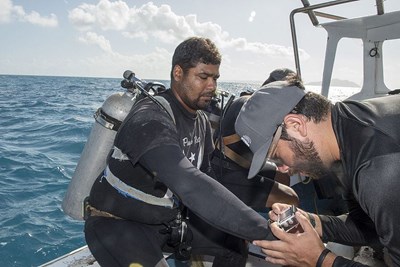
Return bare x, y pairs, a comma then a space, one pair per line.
377, 194
207, 198
343, 262
206, 166
345, 230
354, 228
348, 231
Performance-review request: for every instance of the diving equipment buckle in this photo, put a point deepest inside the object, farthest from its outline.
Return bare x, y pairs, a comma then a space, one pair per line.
180, 238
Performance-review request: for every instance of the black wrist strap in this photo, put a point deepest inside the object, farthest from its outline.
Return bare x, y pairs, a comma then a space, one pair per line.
321, 257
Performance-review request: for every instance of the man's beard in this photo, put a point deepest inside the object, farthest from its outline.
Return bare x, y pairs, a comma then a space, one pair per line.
307, 159
195, 104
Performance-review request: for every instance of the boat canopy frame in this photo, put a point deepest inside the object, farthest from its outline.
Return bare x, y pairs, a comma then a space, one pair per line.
372, 30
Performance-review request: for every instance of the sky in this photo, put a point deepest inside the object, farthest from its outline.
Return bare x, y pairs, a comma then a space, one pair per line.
103, 38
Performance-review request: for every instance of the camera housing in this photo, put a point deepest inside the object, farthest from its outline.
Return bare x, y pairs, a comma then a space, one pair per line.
287, 220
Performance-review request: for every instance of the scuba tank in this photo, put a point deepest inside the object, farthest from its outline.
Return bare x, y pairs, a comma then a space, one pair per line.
108, 119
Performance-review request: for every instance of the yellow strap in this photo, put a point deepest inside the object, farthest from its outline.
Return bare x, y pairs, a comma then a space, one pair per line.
95, 212
230, 139
232, 155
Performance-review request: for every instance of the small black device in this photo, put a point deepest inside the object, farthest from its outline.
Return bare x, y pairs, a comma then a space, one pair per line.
287, 219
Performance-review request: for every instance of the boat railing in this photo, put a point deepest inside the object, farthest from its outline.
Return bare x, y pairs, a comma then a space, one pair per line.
312, 13
372, 30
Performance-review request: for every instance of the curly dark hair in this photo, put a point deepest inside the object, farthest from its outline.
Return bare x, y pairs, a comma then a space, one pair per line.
193, 51
314, 106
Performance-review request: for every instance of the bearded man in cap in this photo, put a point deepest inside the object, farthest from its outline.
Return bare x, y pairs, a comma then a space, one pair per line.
359, 140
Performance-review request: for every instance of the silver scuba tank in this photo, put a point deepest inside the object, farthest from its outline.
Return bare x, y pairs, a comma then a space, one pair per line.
93, 158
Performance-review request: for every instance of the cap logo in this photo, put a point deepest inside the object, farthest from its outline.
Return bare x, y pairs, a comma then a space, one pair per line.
246, 139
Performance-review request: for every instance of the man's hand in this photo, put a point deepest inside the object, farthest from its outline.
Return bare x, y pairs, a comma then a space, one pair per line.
297, 249
277, 208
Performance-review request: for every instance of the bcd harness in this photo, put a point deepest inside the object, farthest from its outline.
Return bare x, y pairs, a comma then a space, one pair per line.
168, 201
180, 236
232, 155
240, 162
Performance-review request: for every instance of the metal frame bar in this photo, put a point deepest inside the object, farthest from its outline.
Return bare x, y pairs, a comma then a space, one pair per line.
379, 7
310, 10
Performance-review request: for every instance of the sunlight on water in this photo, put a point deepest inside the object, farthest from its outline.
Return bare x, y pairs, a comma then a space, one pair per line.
336, 93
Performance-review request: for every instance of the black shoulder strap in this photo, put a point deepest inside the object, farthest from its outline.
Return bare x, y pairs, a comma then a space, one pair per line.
166, 106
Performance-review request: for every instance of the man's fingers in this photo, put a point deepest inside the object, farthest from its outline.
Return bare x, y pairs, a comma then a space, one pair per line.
277, 231
279, 207
272, 250
304, 222
272, 216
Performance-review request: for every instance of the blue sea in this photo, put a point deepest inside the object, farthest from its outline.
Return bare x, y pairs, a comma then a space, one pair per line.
44, 124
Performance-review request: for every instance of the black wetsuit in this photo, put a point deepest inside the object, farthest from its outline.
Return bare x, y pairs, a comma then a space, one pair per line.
368, 134
254, 192
164, 155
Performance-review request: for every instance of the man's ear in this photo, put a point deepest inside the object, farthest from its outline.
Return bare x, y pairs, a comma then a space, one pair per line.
177, 72
295, 125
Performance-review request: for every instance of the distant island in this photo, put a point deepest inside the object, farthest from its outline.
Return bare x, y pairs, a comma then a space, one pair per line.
337, 82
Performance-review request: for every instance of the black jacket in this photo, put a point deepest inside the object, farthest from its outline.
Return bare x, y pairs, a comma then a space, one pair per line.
368, 134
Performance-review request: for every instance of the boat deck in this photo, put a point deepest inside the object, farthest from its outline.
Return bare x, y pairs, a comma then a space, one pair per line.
83, 258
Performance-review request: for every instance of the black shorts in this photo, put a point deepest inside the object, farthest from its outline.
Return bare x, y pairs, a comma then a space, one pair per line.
116, 242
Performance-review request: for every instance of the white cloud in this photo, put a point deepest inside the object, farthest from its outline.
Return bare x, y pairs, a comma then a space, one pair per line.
83, 17
8, 12
5, 11
99, 40
113, 15
106, 15
241, 44
252, 16
35, 18
162, 24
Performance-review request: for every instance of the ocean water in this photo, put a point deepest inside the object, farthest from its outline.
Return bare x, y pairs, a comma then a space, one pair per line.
43, 127
44, 124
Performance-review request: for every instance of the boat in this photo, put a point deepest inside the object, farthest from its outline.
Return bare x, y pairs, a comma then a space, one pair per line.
372, 30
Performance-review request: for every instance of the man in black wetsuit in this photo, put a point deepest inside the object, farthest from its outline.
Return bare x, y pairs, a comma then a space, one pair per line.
231, 163
359, 140
139, 207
